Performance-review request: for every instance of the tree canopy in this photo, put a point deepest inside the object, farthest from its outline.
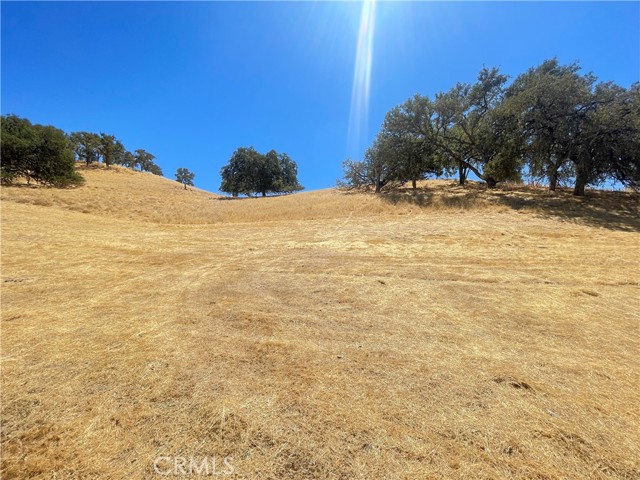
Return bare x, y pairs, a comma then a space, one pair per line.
47, 155
552, 123
404, 149
41, 153
185, 177
92, 148
250, 172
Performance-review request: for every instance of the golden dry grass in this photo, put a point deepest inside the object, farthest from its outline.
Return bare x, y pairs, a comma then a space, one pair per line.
448, 333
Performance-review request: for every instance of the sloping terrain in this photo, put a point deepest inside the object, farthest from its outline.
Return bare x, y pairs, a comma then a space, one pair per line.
119, 192
444, 333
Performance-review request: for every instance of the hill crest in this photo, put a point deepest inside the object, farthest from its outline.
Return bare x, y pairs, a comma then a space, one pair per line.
126, 194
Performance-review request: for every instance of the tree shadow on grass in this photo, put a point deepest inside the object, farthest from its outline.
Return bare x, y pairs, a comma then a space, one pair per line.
611, 210
605, 209
424, 198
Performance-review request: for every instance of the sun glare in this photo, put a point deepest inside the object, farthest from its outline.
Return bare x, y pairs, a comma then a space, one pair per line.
358, 115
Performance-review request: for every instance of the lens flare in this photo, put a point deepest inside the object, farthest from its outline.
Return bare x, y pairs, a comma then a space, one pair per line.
359, 113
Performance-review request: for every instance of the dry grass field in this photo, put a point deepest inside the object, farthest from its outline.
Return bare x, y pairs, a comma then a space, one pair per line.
451, 333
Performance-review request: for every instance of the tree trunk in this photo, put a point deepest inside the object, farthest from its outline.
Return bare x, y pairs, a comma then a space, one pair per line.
414, 184
581, 183
582, 178
462, 173
553, 177
491, 182
378, 187
264, 194
185, 186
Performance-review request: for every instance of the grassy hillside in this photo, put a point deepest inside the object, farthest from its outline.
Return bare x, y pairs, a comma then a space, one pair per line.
448, 333
119, 192
142, 197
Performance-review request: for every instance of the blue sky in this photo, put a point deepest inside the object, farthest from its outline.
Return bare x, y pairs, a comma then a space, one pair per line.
191, 82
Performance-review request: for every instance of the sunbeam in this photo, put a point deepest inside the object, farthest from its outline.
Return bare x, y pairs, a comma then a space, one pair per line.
359, 113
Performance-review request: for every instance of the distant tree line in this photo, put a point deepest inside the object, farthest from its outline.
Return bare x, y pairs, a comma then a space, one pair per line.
47, 155
250, 172
551, 124
92, 148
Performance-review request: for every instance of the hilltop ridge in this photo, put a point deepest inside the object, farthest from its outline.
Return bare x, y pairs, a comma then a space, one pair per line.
125, 194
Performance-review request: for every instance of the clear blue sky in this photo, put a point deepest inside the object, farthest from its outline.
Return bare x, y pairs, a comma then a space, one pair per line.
191, 82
